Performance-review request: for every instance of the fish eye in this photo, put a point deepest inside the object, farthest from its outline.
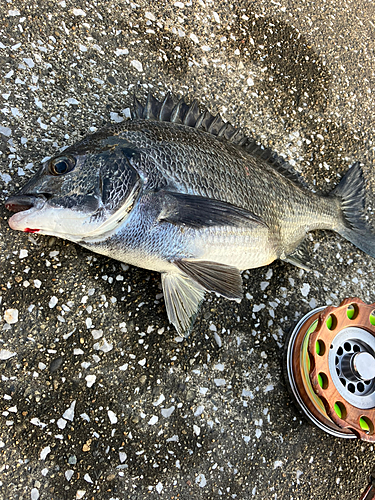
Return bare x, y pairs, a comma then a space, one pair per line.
61, 165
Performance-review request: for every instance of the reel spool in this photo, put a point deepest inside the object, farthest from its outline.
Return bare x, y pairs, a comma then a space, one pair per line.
330, 366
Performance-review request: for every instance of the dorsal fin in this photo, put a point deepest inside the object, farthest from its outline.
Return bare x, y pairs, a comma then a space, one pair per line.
171, 110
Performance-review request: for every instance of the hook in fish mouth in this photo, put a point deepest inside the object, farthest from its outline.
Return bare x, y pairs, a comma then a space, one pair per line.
20, 203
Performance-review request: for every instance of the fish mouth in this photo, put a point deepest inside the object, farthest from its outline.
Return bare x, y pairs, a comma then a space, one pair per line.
20, 203
23, 203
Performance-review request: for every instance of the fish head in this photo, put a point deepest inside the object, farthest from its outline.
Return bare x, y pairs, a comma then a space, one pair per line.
83, 193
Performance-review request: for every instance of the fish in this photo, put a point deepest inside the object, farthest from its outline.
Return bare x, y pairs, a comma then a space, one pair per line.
177, 190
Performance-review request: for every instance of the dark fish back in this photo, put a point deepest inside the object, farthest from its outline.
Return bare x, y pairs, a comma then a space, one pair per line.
193, 161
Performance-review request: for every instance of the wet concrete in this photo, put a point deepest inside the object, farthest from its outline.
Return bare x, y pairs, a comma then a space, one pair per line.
100, 399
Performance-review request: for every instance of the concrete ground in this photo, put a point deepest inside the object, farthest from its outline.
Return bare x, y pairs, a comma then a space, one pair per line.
99, 399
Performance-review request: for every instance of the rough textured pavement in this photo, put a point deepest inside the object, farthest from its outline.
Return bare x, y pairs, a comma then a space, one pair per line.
99, 399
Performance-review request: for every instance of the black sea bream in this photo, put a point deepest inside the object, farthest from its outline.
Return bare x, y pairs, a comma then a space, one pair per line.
181, 192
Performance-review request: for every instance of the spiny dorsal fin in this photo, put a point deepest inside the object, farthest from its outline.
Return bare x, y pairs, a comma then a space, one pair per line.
171, 110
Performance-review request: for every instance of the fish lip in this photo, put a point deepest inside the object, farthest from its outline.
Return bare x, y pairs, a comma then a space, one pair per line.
23, 206
21, 203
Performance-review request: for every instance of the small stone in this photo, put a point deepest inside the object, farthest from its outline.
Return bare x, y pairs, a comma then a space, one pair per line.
55, 364
11, 316
34, 494
112, 417
69, 474
53, 302
69, 412
90, 380
86, 446
5, 354
45, 452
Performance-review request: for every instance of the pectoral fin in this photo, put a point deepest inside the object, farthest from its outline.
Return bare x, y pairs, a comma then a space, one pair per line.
183, 298
198, 211
214, 277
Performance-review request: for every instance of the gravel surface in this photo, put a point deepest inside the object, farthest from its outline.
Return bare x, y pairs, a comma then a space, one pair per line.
98, 398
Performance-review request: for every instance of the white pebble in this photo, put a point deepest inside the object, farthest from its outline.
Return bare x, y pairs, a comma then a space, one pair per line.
219, 382
112, 417
217, 339
167, 412
159, 487
61, 423
160, 400
36, 421
69, 412
305, 289
97, 334
150, 16
216, 17
121, 52
196, 429
115, 117
68, 474
54, 300
44, 452
11, 316
90, 380
23, 253
122, 456
29, 62
153, 420
199, 411
103, 346
137, 65
34, 494
79, 12
5, 131
201, 480
5, 354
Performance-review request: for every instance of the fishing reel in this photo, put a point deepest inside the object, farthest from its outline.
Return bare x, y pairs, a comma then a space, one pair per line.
330, 368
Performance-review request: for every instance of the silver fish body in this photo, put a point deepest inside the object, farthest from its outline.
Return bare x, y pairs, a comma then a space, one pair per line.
182, 193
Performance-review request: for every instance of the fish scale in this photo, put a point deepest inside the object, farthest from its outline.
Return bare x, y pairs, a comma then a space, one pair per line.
179, 191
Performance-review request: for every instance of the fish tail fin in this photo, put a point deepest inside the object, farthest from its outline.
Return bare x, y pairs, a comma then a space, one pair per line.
351, 194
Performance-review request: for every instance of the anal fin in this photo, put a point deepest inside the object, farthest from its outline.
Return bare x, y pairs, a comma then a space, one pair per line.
299, 257
183, 298
214, 277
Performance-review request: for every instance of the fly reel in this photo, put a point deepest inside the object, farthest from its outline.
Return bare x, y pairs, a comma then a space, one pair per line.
330, 366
